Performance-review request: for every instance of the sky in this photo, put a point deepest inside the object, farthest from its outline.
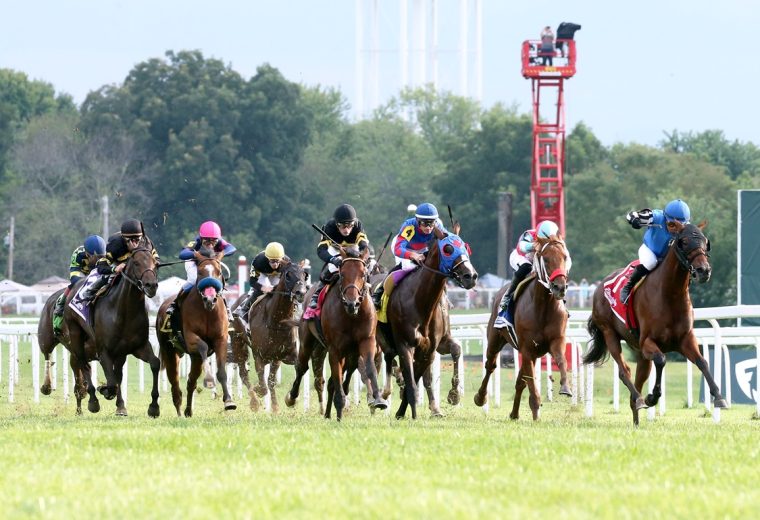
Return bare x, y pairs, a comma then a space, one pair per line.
643, 68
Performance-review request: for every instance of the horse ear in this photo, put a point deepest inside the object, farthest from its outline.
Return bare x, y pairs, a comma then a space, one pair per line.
702, 225
456, 227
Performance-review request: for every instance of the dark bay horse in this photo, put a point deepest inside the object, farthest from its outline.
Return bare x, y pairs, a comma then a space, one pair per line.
119, 327
663, 310
47, 338
348, 323
272, 338
204, 329
416, 322
540, 323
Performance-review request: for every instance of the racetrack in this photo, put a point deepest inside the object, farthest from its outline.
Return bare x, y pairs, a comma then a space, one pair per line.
299, 465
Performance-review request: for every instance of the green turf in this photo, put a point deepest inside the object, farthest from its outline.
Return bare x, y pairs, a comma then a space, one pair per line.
298, 465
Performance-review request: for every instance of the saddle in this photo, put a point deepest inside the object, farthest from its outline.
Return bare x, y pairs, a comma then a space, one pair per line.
389, 283
612, 289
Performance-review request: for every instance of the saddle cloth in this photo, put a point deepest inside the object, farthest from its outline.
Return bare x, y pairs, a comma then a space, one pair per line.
80, 305
612, 289
309, 313
390, 281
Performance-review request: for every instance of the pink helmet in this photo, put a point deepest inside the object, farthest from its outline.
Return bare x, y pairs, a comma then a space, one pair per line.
210, 229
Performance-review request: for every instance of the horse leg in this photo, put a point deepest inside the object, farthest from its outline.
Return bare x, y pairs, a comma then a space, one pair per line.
534, 398
336, 382
387, 390
196, 367
330, 394
520, 385
301, 366
691, 351
496, 342
258, 365
93, 405
650, 350
118, 370
624, 372
220, 349
409, 396
453, 397
367, 350
349, 366
427, 382
146, 355
557, 350
107, 390
643, 369
171, 359
272, 383
208, 377
317, 365
240, 357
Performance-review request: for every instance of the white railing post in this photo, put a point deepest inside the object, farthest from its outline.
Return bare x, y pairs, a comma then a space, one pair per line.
615, 387
35, 368
549, 385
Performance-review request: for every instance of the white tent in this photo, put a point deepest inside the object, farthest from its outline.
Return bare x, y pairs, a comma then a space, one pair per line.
166, 288
11, 286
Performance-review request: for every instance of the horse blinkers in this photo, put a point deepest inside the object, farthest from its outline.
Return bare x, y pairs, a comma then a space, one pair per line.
693, 255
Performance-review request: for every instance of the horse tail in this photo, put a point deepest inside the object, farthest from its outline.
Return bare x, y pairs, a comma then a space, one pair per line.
598, 351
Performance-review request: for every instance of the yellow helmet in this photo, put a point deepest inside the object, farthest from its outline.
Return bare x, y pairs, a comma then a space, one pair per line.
274, 251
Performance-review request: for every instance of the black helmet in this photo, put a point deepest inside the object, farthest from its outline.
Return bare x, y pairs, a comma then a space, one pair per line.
131, 228
344, 213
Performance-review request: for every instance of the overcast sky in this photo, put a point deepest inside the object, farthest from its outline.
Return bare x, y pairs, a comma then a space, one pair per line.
644, 67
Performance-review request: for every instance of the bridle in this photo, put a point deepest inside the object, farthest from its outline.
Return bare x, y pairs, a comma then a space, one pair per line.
138, 282
539, 265
687, 258
289, 292
363, 290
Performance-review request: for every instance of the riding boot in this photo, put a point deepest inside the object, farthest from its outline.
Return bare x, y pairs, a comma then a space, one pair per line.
377, 295
315, 295
60, 302
91, 291
244, 306
638, 273
175, 305
518, 277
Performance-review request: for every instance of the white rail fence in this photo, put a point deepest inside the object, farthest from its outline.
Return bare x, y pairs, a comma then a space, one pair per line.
466, 328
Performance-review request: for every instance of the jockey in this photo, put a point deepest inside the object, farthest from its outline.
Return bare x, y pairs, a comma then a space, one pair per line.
344, 229
209, 238
410, 244
266, 268
118, 250
83, 260
521, 260
661, 228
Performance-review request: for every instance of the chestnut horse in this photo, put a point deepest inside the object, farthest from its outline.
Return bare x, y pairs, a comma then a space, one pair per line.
416, 321
118, 327
272, 338
540, 322
348, 323
204, 329
665, 317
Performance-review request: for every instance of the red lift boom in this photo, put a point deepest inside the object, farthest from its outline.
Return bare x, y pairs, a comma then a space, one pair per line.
547, 199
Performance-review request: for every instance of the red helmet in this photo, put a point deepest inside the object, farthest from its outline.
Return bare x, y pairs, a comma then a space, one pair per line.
210, 229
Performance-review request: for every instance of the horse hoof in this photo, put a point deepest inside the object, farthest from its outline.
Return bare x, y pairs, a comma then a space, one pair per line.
453, 398
153, 411
565, 390
79, 411
188, 412
260, 391
640, 404
107, 392
46, 389
650, 401
92, 406
229, 405
436, 414
480, 399
720, 403
399, 416
121, 412
378, 404
514, 416
289, 401
209, 383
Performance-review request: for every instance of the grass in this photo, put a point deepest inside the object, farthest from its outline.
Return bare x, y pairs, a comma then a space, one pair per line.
298, 465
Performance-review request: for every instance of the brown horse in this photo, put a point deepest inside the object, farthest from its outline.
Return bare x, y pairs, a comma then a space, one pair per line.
204, 329
348, 324
272, 337
118, 327
540, 322
663, 310
416, 323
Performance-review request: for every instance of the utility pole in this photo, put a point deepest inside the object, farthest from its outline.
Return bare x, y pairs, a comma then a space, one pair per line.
10, 247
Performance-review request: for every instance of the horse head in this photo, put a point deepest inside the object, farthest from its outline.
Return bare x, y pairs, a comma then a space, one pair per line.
210, 279
140, 271
551, 264
293, 281
692, 249
451, 256
353, 278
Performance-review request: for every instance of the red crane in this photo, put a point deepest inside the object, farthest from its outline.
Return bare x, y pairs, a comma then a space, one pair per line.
547, 199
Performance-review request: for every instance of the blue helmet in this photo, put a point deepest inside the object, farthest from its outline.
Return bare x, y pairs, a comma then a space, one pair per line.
677, 210
95, 245
426, 211
547, 228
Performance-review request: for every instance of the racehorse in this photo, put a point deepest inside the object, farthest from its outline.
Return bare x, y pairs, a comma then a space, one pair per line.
272, 336
204, 326
118, 327
540, 322
416, 321
47, 338
665, 318
348, 324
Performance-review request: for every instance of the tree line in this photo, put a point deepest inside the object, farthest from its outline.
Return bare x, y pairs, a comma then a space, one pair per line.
186, 138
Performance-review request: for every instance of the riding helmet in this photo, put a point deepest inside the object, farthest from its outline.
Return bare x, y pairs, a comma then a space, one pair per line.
210, 229
677, 210
426, 211
344, 213
131, 228
95, 245
274, 251
547, 228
